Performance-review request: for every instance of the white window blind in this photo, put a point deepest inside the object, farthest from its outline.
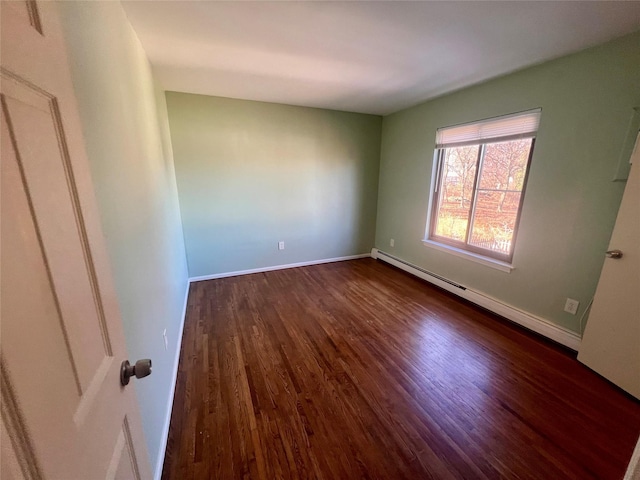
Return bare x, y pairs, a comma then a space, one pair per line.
508, 127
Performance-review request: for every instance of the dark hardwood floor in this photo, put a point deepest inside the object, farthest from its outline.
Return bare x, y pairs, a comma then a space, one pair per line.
357, 370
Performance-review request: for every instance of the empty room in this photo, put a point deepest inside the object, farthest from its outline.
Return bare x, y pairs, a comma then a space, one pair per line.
320, 239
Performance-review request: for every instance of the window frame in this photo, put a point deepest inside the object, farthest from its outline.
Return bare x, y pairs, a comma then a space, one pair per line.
435, 198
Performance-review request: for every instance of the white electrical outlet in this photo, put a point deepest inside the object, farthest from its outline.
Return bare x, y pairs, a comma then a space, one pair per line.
166, 341
280, 245
392, 242
571, 306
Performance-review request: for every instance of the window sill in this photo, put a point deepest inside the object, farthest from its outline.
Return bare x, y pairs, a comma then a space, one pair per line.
474, 257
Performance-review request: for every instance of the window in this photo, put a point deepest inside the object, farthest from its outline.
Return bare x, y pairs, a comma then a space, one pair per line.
480, 177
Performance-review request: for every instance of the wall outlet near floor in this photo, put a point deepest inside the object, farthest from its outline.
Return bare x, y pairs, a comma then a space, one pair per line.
392, 242
280, 245
166, 341
571, 306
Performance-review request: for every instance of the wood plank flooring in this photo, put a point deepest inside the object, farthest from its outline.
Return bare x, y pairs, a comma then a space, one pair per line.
357, 370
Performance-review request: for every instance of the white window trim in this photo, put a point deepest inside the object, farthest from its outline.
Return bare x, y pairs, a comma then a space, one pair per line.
472, 256
459, 252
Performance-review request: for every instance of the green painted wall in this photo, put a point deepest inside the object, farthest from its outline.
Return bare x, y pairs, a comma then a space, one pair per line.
251, 174
125, 127
570, 207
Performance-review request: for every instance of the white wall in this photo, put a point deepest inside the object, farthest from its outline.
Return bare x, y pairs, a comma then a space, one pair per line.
125, 126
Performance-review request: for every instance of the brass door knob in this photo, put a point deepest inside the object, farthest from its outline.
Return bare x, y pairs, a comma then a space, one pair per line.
614, 254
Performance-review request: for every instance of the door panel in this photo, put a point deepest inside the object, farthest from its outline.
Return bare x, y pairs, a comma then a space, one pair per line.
35, 140
62, 338
123, 465
611, 341
32, 334
18, 459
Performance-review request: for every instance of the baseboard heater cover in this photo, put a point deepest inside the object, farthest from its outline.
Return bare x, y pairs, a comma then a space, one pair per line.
426, 272
527, 320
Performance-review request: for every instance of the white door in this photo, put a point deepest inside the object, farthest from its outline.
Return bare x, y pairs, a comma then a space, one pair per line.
64, 413
611, 341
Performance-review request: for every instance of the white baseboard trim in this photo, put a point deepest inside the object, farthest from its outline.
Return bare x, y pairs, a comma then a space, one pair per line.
277, 267
174, 377
532, 322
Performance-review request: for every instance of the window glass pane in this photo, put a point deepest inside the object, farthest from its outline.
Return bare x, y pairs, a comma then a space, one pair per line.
504, 165
499, 190
456, 192
495, 220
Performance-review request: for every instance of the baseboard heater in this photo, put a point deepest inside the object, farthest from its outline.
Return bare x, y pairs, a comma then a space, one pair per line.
380, 253
544, 327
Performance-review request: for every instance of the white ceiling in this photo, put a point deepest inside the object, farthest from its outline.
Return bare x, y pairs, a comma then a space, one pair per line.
370, 57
